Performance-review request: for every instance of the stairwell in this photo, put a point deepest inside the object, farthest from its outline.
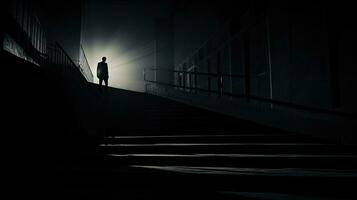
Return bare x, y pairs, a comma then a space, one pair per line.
147, 147
164, 149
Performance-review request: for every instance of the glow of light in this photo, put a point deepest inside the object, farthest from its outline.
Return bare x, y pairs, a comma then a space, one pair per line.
126, 76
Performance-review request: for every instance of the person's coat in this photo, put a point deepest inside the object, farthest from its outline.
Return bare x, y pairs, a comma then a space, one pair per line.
102, 70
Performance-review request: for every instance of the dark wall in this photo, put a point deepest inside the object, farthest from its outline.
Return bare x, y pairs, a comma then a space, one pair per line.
193, 25
343, 41
299, 52
62, 20
164, 49
47, 22
299, 49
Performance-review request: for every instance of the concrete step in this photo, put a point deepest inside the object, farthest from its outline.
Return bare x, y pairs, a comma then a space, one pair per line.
213, 138
233, 160
264, 172
214, 181
229, 148
128, 130
278, 196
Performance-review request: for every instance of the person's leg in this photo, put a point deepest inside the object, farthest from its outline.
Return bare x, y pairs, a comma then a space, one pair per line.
100, 83
106, 82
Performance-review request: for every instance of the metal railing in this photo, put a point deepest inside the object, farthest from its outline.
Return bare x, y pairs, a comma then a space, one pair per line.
207, 77
58, 56
25, 37
84, 66
24, 34
157, 88
210, 70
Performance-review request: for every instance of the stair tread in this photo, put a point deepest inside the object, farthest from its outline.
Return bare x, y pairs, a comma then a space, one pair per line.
234, 155
191, 136
276, 196
218, 144
254, 171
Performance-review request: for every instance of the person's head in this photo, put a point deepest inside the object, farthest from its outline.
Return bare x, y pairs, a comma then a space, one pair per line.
104, 59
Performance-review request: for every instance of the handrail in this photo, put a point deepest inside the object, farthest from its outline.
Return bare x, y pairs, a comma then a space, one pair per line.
25, 40
66, 55
195, 73
249, 97
33, 44
84, 65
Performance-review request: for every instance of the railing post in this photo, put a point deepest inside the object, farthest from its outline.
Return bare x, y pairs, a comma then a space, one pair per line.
219, 75
221, 84
195, 78
2, 14
246, 68
230, 68
184, 80
209, 76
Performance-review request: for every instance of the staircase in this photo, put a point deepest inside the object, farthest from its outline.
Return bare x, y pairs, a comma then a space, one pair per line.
175, 151
154, 148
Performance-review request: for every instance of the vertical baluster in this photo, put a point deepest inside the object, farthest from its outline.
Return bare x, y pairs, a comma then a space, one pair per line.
246, 67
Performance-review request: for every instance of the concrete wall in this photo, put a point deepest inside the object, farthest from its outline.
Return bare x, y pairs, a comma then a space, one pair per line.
298, 52
192, 27
345, 43
62, 20
48, 22
164, 49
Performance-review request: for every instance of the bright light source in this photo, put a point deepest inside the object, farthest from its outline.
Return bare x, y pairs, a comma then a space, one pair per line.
121, 74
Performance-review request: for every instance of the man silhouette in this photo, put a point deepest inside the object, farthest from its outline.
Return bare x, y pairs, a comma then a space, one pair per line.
102, 73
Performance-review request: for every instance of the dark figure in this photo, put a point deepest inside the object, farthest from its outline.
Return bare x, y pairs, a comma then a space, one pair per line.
102, 73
